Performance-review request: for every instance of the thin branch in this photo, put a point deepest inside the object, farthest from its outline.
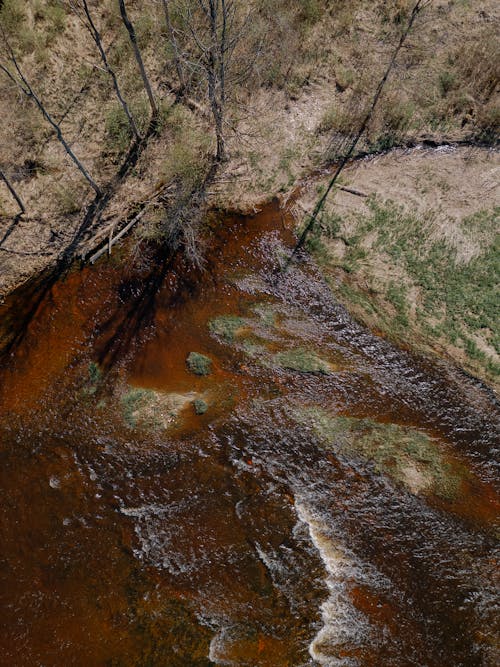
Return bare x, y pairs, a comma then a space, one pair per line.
319, 206
88, 22
26, 88
175, 47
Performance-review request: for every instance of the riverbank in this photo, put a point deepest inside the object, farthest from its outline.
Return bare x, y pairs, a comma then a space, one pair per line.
405, 243
410, 246
286, 118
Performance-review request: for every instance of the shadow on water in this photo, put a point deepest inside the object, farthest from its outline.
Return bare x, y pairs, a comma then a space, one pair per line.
311, 496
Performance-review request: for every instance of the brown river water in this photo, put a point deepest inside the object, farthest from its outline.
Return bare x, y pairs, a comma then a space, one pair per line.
334, 504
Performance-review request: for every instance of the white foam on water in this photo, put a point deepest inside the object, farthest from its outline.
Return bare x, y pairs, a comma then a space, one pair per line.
156, 528
343, 625
218, 648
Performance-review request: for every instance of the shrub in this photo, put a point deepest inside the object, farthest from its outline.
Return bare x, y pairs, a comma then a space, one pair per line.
199, 364
68, 198
487, 124
344, 77
310, 11
12, 15
200, 407
447, 81
118, 132
187, 156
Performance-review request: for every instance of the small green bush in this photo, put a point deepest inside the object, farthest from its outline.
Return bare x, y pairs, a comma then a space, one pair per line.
118, 132
199, 364
200, 407
95, 373
310, 11
447, 81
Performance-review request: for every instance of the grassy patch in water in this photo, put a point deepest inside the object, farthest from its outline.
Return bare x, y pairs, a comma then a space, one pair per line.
266, 314
93, 379
135, 402
301, 360
145, 408
254, 347
199, 364
226, 327
406, 455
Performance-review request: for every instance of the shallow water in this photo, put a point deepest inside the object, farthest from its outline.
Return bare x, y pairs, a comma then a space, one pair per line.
344, 516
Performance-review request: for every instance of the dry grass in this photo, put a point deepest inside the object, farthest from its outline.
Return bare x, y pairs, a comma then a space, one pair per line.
295, 110
418, 259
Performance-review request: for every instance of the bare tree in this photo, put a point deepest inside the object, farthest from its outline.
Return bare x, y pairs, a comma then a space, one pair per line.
137, 52
24, 86
81, 9
12, 192
212, 31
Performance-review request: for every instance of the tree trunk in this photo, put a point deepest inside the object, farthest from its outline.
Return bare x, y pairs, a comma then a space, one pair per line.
138, 57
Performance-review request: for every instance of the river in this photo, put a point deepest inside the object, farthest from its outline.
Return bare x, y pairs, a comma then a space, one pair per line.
308, 494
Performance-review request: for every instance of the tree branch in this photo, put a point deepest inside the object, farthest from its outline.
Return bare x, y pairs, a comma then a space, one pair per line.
138, 57
13, 192
26, 88
319, 206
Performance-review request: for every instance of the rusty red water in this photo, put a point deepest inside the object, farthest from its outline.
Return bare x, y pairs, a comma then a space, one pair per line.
245, 535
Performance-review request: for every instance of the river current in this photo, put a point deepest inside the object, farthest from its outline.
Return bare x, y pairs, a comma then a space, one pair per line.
309, 495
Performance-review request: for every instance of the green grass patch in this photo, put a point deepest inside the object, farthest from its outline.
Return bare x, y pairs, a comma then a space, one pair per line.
266, 314
226, 327
134, 403
406, 455
457, 300
301, 360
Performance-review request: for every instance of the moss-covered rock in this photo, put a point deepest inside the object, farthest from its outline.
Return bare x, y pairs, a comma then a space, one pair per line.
199, 364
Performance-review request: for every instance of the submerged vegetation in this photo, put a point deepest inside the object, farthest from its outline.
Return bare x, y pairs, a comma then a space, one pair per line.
226, 327
406, 455
301, 360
